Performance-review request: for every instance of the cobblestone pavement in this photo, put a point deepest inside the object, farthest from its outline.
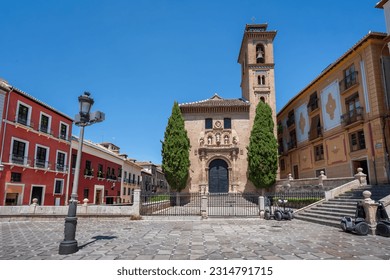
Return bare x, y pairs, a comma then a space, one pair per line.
217, 239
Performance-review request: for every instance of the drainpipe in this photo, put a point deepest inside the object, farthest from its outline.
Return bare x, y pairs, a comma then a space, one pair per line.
10, 88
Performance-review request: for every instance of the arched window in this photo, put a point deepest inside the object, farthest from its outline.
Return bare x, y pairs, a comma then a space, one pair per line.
262, 99
259, 80
263, 80
260, 54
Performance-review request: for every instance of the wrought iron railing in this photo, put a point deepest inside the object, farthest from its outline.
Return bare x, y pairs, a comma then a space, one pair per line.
352, 116
296, 199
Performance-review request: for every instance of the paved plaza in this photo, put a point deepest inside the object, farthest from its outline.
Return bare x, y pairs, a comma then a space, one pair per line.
216, 239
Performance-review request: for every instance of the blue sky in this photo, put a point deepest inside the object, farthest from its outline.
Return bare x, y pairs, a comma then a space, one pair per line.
138, 57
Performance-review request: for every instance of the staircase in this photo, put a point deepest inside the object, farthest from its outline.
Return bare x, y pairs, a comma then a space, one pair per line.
330, 212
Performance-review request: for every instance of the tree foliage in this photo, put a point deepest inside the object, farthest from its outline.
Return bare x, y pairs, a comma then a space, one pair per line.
262, 149
175, 151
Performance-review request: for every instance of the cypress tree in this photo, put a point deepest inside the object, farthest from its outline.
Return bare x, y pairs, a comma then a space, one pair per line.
175, 151
262, 149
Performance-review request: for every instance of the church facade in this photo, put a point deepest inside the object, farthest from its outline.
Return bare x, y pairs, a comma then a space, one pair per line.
219, 129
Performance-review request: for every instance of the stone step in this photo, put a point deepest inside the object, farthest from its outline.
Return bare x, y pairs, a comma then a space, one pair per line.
318, 220
333, 211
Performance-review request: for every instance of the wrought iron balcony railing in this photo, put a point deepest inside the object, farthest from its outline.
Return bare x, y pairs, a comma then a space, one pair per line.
352, 116
349, 81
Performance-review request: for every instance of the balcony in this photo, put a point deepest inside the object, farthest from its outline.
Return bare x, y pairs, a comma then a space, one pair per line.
291, 145
20, 160
61, 167
88, 172
313, 105
349, 81
352, 117
40, 128
315, 133
24, 121
41, 163
45, 129
290, 121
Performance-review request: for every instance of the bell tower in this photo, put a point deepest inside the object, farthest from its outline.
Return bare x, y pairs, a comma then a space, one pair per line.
257, 68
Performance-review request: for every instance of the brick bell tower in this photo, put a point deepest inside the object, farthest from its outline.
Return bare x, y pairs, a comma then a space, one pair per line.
257, 68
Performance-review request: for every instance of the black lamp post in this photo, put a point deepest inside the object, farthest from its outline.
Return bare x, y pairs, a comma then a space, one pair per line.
84, 118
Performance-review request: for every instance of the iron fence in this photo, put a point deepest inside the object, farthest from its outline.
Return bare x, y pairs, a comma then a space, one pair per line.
233, 204
295, 200
170, 204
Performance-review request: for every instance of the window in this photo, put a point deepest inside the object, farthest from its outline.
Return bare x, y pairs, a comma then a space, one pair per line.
23, 114
58, 186
208, 123
354, 111
125, 177
357, 141
88, 168
282, 164
61, 158
100, 171
350, 77
41, 157
128, 191
19, 150
74, 159
227, 123
319, 152
315, 128
133, 178
260, 54
86, 193
16, 177
44, 125
261, 80
291, 118
138, 180
64, 131
280, 146
293, 140
313, 102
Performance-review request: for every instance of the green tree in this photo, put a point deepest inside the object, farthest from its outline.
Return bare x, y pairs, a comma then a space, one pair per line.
176, 151
262, 149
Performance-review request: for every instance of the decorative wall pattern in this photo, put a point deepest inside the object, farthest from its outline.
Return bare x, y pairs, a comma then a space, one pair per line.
331, 108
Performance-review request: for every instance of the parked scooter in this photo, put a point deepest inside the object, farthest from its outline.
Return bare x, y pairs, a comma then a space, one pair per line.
357, 225
283, 213
276, 211
383, 222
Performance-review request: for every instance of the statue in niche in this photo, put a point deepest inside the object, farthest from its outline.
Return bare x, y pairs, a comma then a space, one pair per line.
226, 139
218, 137
201, 141
209, 140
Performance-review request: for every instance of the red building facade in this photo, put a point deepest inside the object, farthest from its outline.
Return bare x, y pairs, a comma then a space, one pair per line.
35, 150
100, 173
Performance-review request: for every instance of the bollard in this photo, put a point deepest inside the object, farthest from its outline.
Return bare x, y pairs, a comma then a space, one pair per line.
370, 208
261, 206
203, 207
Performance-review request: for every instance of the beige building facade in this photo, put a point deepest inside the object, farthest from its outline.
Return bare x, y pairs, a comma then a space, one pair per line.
219, 128
340, 121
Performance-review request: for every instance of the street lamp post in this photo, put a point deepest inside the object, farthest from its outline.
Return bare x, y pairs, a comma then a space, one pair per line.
84, 118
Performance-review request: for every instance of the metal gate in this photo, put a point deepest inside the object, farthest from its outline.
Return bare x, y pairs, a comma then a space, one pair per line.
170, 204
233, 204
190, 204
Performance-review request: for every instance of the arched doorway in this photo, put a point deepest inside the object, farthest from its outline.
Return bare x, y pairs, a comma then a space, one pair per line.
218, 176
